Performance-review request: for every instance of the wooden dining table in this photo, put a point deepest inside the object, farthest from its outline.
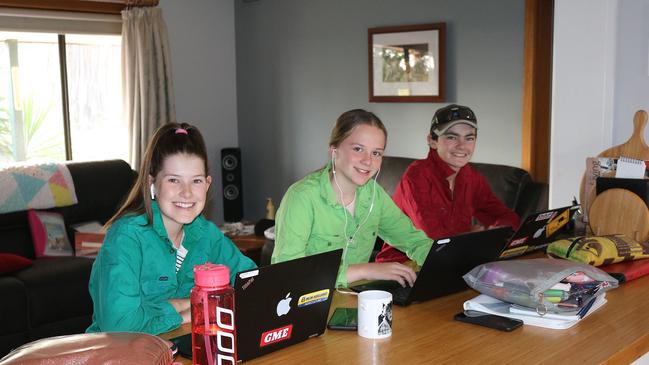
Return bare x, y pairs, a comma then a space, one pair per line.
426, 333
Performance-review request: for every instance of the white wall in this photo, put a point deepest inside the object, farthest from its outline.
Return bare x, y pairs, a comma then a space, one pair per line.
582, 89
601, 78
632, 66
201, 34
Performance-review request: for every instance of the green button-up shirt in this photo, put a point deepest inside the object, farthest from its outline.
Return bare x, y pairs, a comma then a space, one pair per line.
134, 275
310, 221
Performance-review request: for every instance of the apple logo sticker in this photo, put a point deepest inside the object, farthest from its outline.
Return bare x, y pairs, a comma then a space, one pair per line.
284, 305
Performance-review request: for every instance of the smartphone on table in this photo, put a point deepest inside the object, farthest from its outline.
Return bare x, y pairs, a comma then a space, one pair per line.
344, 319
490, 320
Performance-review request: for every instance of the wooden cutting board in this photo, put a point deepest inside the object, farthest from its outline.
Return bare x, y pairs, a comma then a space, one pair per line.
635, 147
620, 211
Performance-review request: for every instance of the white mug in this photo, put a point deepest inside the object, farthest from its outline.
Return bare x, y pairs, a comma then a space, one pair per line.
375, 314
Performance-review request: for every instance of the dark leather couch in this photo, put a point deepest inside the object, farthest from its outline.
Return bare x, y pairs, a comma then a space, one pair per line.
51, 297
512, 185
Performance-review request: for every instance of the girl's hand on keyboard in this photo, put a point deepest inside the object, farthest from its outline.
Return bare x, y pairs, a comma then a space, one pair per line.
400, 273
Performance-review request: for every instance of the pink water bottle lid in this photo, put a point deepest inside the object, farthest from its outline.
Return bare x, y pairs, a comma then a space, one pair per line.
211, 275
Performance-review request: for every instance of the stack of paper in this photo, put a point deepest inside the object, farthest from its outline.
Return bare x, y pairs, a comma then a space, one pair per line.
486, 304
88, 227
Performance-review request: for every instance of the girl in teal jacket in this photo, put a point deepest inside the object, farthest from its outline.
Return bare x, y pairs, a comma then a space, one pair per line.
143, 274
339, 207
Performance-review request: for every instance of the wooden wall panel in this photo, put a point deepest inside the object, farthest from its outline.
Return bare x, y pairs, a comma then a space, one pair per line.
537, 88
88, 6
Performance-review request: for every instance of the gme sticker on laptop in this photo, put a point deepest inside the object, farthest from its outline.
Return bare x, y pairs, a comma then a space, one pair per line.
312, 298
276, 335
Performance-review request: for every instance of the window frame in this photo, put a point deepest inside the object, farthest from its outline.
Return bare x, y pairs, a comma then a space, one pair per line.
66, 122
87, 6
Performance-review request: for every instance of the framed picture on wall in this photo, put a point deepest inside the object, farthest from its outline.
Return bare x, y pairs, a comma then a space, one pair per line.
406, 63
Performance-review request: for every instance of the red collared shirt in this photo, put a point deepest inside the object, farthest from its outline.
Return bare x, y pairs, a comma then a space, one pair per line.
424, 195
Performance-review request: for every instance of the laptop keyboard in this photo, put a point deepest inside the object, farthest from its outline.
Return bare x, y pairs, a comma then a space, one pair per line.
399, 293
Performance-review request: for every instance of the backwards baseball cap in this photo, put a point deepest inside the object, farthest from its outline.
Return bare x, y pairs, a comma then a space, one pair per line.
451, 115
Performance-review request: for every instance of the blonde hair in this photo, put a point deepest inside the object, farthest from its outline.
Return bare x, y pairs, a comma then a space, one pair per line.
351, 119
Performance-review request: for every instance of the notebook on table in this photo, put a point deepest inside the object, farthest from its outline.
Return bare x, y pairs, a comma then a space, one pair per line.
449, 258
282, 304
538, 230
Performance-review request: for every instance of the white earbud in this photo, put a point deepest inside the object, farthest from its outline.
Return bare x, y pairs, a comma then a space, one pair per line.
333, 163
152, 192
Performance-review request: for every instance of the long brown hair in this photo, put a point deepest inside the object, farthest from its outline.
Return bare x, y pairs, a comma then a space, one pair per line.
351, 119
169, 139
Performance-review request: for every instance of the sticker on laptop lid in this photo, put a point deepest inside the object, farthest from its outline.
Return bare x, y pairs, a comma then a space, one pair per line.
276, 335
518, 242
313, 298
248, 274
247, 283
545, 216
557, 222
514, 252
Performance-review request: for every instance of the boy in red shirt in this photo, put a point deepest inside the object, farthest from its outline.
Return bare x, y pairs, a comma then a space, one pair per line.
442, 194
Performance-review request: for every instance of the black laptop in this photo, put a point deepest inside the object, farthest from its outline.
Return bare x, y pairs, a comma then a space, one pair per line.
282, 304
538, 230
448, 260
279, 305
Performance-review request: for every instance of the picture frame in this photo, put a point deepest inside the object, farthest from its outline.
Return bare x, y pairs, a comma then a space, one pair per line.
49, 234
407, 63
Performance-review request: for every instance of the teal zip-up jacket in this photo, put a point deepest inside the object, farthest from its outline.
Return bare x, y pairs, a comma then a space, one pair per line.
134, 274
310, 221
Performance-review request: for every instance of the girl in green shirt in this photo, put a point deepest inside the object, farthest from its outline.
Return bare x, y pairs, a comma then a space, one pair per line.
143, 274
339, 207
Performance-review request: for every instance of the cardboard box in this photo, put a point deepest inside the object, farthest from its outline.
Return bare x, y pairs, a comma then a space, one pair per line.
87, 244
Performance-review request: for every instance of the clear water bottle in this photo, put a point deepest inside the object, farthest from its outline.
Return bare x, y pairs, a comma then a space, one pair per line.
212, 302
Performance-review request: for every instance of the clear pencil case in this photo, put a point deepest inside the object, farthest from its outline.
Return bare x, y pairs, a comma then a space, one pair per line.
546, 285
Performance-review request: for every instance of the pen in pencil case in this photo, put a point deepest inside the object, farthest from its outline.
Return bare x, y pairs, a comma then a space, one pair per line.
555, 296
572, 302
555, 293
582, 312
567, 305
553, 299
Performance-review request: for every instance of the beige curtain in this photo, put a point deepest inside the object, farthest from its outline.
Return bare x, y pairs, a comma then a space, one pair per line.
146, 76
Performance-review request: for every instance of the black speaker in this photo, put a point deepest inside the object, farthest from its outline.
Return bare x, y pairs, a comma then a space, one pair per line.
232, 187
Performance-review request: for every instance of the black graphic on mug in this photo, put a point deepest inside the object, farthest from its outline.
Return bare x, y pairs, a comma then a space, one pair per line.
385, 319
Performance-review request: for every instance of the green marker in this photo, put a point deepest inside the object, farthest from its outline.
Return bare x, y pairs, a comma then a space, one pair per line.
554, 293
553, 299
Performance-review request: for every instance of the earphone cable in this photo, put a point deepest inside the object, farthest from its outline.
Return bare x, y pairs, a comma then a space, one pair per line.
351, 239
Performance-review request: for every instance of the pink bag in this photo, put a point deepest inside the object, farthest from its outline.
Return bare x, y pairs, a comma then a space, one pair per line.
108, 348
